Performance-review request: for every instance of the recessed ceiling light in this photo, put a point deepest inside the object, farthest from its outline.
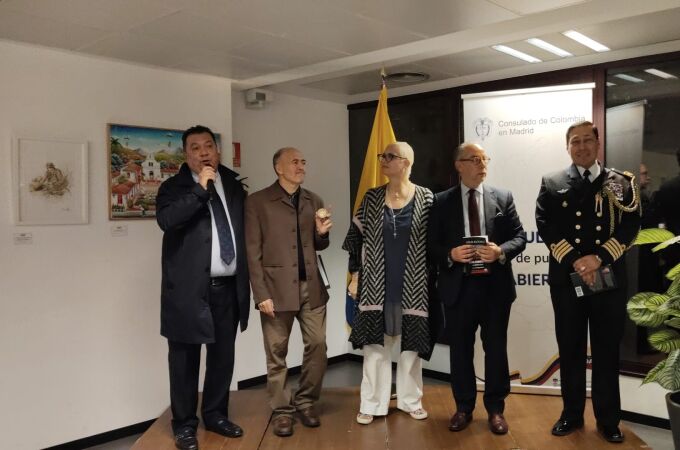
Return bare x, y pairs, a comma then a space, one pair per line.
540, 43
407, 77
585, 40
515, 53
660, 73
633, 79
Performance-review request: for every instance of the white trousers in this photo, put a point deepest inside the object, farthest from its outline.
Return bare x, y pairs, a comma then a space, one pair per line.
377, 380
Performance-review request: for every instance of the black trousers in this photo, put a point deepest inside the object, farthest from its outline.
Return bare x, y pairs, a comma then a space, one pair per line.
477, 306
184, 363
604, 315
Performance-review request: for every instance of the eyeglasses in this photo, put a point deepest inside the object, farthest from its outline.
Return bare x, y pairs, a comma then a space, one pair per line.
477, 160
388, 157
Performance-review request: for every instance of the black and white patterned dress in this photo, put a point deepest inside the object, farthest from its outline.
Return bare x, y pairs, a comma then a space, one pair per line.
366, 247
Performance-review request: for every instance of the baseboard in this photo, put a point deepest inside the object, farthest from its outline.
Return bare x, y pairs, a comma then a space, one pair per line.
103, 438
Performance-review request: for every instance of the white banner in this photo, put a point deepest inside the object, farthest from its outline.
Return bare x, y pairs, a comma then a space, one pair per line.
523, 132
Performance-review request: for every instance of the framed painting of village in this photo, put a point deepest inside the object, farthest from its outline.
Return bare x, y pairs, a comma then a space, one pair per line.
140, 159
49, 182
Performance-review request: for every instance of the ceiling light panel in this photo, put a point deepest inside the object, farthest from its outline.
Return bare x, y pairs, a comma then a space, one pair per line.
516, 53
585, 40
547, 46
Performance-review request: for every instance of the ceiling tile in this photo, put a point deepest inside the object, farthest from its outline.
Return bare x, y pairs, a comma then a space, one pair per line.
131, 47
23, 27
284, 52
318, 23
112, 15
233, 67
524, 7
434, 18
200, 32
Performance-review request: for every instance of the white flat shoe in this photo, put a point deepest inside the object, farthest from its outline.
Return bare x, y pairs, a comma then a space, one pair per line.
364, 419
418, 414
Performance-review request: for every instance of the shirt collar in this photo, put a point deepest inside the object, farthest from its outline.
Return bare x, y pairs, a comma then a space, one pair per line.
466, 189
595, 170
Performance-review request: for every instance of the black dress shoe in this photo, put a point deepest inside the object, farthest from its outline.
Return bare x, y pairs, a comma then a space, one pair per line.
186, 439
610, 433
564, 427
225, 428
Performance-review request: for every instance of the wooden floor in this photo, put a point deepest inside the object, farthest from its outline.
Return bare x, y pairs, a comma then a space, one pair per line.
530, 418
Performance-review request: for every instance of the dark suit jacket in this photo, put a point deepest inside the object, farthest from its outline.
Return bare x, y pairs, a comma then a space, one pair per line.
271, 240
447, 229
182, 213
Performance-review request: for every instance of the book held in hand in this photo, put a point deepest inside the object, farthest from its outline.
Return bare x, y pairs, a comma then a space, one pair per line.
604, 281
476, 266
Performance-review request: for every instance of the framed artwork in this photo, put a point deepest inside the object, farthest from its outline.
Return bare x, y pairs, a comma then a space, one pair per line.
140, 159
49, 182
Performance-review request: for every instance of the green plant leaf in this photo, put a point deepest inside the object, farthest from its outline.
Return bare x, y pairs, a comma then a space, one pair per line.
666, 243
653, 236
667, 372
674, 322
665, 340
671, 307
656, 301
639, 311
674, 289
673, 273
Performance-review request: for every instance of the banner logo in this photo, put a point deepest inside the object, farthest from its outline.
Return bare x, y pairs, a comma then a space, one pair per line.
482, 127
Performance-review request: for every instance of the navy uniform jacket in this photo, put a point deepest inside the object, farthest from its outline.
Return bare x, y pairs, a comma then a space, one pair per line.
182, 213
447, 229
576, 218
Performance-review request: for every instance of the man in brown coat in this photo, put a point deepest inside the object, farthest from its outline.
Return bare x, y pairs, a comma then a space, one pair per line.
285, 226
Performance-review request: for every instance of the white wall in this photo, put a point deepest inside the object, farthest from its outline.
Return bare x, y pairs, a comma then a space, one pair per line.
320, 130
80, 348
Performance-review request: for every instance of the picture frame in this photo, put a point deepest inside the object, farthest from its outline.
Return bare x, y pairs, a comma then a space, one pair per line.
139, 159
49, 181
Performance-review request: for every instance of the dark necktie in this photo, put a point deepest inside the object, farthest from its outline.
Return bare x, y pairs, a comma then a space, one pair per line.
473, 214
586, 175
222, 224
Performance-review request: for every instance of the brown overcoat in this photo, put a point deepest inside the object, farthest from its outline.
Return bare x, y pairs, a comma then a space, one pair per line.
271, 245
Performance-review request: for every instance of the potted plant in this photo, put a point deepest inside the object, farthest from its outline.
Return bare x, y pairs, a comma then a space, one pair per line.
661, 311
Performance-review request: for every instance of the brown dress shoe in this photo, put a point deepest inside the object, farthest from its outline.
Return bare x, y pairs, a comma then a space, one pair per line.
283, 425
309, 417
459, 421
497, 423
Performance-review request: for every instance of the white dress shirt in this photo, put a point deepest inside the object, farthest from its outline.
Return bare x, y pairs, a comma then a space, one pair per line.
218, 268
595, 170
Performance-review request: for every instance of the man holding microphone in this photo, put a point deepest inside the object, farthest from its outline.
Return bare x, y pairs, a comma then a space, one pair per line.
204, 292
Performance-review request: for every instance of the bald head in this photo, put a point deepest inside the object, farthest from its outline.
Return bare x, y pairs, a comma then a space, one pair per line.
402, 149
466, 148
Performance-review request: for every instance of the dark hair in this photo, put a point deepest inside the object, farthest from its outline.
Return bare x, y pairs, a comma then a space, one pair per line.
583, 123
196, 129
